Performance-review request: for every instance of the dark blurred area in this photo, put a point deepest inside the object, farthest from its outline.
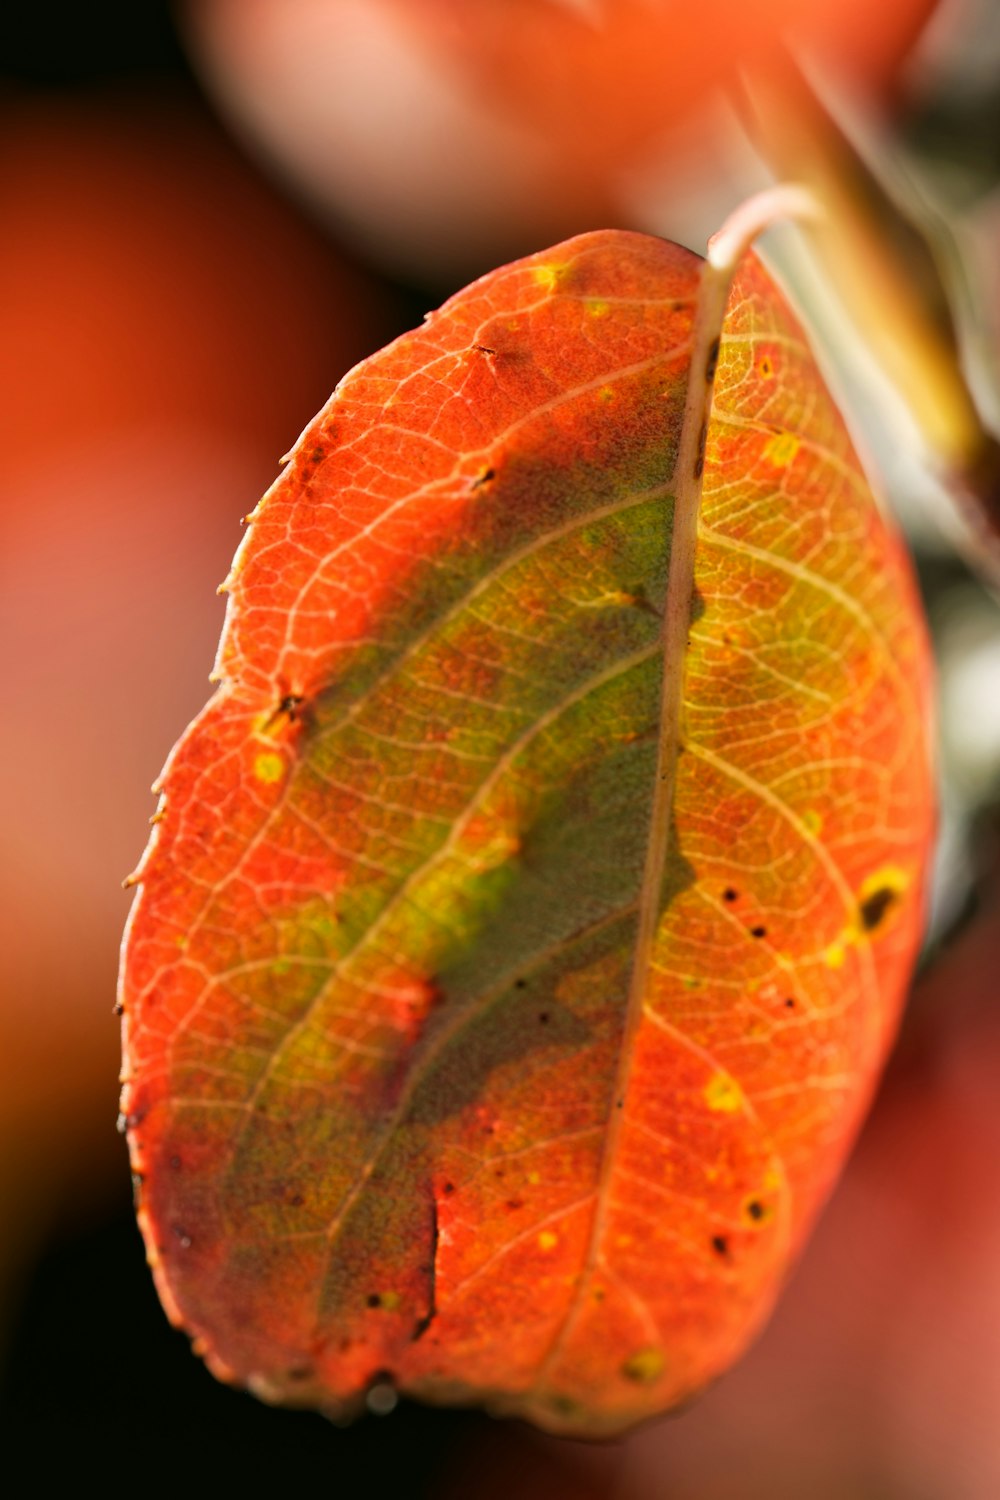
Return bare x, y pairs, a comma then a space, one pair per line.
169, 323
171, 318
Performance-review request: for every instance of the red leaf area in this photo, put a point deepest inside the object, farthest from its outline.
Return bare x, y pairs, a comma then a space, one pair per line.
530, 909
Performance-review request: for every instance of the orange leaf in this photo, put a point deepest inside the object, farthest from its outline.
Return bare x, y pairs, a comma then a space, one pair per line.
531, 907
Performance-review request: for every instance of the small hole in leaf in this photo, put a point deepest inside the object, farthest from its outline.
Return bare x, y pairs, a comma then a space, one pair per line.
874, 908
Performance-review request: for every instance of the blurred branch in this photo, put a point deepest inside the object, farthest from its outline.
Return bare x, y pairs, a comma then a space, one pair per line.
885, 269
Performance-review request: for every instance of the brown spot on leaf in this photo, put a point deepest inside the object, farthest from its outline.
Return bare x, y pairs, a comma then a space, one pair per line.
873, 908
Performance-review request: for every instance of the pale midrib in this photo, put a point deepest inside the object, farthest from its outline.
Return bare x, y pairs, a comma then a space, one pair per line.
686, 486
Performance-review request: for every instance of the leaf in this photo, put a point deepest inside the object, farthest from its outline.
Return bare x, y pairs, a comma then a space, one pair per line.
529, 912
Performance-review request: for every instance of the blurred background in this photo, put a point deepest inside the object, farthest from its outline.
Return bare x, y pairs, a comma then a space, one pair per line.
210, 212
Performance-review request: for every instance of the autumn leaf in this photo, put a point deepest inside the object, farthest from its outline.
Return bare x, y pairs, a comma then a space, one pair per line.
529, 912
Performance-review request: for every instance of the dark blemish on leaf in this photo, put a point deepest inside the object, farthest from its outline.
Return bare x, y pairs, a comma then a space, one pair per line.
296, 1200
729, 894
119, 1007
720, 1244
318, 454
520, 984
181, 1236
373, 1299
543, 1018
514, 1204
758, 932
484, 349
564, 1405
712, 362
301, 1372
449, 1187
619, 1104
288, 711
422, 1324
790, 1003
484, 478
874, 907
755, 1209
699, 462
344, 1345
175, 1162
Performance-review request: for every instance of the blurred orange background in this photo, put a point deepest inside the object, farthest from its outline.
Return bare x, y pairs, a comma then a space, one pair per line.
172, 316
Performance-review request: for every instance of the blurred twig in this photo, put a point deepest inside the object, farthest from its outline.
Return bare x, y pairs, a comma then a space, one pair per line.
885, 269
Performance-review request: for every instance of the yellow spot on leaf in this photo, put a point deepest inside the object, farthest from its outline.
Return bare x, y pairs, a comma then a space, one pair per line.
548, 277
812, 822
781, 449
547, 1240
596, 308
835, 955
390, 1300
645, 1366
724, 1094
606, 393
534, 1178
269, 767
